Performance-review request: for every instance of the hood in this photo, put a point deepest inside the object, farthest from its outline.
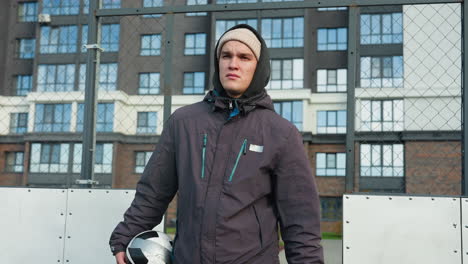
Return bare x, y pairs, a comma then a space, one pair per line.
262, 72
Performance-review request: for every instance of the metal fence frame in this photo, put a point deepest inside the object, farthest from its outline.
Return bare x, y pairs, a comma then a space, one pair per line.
93, 57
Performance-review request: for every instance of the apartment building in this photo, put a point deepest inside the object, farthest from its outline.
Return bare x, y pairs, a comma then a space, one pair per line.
407, 116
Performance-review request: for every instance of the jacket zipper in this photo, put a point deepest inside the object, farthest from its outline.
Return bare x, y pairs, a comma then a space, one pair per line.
205, 139
242, 150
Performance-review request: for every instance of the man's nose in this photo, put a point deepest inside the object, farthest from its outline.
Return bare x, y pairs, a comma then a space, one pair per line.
234, 63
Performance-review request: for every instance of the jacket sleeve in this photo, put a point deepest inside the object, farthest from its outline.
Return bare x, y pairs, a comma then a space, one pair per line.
154, 192
297, 202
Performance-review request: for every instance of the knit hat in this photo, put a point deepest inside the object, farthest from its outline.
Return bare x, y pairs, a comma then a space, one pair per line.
243, 35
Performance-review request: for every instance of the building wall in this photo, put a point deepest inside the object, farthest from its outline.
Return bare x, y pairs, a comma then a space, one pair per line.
124, 164
433, 167
327, 185
9, 178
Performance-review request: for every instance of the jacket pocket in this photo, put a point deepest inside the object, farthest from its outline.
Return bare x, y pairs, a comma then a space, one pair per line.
243, 150
205, 140
257, 218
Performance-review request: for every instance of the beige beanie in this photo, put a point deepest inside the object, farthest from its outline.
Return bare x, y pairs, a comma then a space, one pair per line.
243, 35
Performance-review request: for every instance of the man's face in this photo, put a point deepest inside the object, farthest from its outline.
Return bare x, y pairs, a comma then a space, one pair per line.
237, 65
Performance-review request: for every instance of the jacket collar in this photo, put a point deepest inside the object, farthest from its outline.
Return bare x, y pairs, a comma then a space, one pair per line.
245, 105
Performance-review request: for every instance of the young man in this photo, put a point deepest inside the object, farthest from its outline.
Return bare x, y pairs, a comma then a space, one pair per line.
238, 167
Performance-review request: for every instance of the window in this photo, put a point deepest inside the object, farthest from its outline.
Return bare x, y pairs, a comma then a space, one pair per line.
82, 80
381, 28
332, 208
152, 3
102, 158
18, 123
49, 158
382, 115
331, 80
331, 8
150, 45
23, 84
382, 160
58, 39
84, 38
332, 39
110, 37
55, 78
108, 77
382, 71
60, 7
149, 83
141, 159
14, 161
26, 48
223, 25
85, 6
194, 83
109, 4
104, 116
197, 2
287, 74
52, 118
27, 12
146, 122
195, 44
283, 32
331, 122
291, 110
235, 1
331, 164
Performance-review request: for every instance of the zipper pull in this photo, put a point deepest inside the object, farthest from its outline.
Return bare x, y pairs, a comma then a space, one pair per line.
245, 146
204, 139
230, 104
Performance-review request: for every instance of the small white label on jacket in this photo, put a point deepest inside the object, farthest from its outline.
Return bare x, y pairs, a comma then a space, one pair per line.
256, 148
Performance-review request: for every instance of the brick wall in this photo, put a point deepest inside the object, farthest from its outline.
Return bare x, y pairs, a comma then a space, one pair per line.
124, 164
433, 167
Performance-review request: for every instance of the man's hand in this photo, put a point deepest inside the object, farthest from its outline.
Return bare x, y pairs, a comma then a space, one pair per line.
120, 258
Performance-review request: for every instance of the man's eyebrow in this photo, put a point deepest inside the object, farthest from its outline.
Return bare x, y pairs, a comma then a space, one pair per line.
246, 54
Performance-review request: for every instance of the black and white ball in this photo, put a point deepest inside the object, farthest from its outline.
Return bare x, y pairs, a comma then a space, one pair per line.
150, 247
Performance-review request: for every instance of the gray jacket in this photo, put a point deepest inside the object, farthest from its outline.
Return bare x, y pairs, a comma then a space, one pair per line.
237, 178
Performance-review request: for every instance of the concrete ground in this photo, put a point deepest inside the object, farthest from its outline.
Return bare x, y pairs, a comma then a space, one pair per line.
332, 250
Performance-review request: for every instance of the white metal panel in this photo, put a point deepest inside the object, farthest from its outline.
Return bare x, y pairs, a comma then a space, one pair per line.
401, 229
92, 216
464, 227
32, 225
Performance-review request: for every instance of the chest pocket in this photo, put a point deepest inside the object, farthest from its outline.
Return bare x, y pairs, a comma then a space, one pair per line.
245, 161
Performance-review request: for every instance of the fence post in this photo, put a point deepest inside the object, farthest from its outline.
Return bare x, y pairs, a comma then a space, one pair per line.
168, 67
91, 86
464, 120
350, 101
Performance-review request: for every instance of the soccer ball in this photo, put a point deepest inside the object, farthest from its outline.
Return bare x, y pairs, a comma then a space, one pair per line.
150, 247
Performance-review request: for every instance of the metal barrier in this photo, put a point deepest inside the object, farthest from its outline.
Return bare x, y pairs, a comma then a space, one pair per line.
404, 229
60, 225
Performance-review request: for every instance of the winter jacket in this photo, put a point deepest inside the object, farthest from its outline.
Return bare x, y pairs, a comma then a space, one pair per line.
237, 178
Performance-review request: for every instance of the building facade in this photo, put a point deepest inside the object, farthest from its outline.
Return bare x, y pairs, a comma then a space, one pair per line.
407, 93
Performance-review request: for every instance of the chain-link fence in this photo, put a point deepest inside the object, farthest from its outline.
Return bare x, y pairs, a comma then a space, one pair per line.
376, 90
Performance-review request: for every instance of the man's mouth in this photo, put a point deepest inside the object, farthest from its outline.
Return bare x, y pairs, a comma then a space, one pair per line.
232, 76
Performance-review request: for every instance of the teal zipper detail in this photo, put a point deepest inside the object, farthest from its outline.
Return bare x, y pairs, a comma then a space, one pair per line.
205, 139
242, 150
